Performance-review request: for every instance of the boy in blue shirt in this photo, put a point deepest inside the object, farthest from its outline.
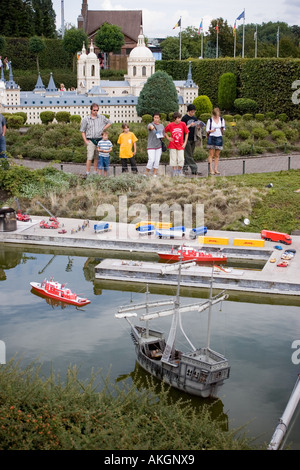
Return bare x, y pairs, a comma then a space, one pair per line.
104, 148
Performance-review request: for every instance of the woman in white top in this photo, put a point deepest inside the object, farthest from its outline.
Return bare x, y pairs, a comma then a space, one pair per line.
215, 127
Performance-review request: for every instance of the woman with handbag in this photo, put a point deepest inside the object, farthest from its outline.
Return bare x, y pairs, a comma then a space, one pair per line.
155, 144
215, 128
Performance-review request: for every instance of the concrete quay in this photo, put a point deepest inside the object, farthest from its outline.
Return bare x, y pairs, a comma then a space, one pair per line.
124, 238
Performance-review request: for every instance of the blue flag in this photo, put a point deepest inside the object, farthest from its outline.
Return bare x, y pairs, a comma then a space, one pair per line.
242, 15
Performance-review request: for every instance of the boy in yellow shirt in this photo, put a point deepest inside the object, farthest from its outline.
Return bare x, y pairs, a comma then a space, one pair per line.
127, 141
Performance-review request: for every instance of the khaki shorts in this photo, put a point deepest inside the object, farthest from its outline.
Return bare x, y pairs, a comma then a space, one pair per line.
91, 151
176, 157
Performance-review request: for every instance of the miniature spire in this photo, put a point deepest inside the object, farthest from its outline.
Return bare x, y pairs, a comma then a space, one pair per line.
39, 84
189, 82
51, 85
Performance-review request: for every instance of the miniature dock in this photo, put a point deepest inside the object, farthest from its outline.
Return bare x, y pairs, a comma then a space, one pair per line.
77, 234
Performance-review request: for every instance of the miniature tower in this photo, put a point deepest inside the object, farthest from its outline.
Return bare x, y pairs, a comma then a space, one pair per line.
88, 70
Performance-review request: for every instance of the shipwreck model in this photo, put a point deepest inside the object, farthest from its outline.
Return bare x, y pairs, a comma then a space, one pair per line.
55, 290
191, 254
201, 371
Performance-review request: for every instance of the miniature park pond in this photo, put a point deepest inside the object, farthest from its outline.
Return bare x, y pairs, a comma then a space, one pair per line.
255, 333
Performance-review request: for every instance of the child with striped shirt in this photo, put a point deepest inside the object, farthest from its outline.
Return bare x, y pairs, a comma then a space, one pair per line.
104, 148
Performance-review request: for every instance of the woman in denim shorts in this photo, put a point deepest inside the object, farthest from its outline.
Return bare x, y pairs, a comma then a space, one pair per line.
215, 128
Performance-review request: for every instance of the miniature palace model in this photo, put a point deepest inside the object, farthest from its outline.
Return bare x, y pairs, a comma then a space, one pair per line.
201, 371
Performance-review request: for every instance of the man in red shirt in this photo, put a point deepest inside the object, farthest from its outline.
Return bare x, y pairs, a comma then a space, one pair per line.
178, 139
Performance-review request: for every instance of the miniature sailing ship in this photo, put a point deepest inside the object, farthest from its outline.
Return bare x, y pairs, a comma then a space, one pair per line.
201, 371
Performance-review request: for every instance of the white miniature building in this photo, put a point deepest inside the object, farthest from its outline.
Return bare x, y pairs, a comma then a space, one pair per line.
118, 99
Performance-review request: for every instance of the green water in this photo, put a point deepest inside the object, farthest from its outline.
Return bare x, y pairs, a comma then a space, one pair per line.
255, 333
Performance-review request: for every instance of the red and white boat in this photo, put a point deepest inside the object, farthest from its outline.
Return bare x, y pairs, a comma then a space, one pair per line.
58, 291
191, 254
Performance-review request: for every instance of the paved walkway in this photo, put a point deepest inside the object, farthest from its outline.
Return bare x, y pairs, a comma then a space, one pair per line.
227, 166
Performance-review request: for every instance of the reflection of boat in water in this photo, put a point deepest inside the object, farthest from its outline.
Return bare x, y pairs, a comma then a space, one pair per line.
187, 253
53, 302
201, 371
140, 378
56, 290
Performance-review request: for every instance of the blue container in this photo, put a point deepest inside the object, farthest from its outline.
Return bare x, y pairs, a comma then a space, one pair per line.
195, 232
179, 227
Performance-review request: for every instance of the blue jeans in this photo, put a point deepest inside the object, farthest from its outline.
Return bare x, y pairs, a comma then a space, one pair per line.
103, 162
2, 147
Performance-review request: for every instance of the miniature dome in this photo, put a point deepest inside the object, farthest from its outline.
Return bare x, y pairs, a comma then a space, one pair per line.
83, 55
141, 51
92, 54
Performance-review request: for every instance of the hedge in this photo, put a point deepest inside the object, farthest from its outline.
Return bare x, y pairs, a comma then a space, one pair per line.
53, 56
268, 81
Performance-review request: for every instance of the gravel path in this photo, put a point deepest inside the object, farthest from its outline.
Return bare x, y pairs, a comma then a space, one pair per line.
227, 166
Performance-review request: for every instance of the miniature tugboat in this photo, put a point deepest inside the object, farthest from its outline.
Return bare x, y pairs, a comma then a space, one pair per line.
58, 291
191, 254
201, 371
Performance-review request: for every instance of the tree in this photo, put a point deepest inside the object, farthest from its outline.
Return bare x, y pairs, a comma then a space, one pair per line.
73, 41
158, 94
44, 18
227, 91
225, 37
203, 105
109, 38
36, 45
170, 49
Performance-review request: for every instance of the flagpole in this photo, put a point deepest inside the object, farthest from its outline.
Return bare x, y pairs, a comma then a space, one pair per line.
256, 42
217, 52
180, 41
243, 52
234, 43
202, 39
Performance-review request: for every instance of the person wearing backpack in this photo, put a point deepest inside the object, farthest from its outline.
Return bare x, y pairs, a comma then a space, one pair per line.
215, 128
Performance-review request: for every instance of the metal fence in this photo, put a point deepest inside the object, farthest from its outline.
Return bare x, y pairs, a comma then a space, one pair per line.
230, 166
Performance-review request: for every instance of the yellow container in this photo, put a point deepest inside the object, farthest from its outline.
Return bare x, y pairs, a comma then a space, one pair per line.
248, 242
163, 225
156, 224
213, 240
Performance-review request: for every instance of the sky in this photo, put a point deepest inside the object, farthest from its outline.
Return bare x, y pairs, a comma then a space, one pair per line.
159, 17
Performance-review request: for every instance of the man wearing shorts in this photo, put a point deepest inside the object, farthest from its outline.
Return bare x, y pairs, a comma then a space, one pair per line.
91, 130
178, 139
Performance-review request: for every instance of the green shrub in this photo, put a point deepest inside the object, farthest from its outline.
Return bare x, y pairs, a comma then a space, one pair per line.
259, 132
243, 134
245, 148
291, 134
24, 115
245, 105
147, 118
62, 116
278, 135
248, 117
47, 116
271, 127
282, 117
265, 145
205, 117
237, 117
203, 105
228, 117
227, 91
14, 121
270, 115
75, 118
260, 117
163, 116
